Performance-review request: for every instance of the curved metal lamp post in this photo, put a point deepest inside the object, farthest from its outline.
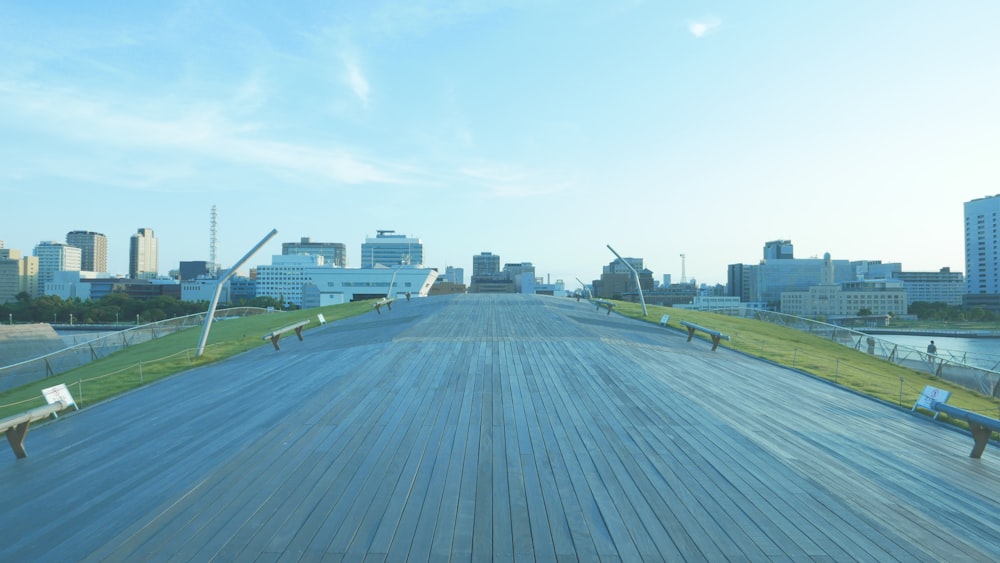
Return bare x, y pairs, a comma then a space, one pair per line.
635, 276
218, 289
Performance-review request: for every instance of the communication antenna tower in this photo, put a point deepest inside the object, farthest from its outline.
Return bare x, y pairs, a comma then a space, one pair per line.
213, 229
684, 278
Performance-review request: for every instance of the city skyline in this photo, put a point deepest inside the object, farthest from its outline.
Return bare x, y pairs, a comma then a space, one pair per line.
542, 132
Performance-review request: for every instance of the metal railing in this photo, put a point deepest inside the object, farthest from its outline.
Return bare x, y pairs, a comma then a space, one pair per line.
101, 346
976, 373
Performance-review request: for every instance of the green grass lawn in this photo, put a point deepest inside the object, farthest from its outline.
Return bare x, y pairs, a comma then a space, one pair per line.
147, 362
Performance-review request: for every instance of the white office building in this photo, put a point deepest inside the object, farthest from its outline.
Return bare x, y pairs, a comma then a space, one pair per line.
982, 221
305, 281
55, 257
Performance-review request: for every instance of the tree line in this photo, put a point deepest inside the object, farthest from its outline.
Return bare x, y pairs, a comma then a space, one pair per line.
938, 311
113, 308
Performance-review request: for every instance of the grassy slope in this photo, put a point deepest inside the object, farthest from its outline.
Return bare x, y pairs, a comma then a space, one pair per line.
149, 361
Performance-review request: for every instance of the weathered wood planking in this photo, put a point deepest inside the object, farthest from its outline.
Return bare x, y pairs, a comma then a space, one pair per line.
498, 427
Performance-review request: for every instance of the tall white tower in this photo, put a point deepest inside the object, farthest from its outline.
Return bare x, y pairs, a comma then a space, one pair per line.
982, 219
826, 276
142, 258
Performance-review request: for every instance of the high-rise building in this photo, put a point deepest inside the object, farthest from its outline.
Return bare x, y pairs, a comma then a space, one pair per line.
982, 270
617, 278
333, 253
54, 256
523, 276
142, 255
389, 249
778, 250
454, 275
486, 263
10, 274
487, 277
94, 257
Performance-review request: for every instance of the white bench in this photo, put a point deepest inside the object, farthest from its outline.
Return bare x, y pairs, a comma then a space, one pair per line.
274, 335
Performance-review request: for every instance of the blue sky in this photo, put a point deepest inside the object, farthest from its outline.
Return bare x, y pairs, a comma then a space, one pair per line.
541, 130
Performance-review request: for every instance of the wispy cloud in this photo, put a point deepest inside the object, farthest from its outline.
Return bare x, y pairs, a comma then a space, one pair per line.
355, 77
203, 132
506, 181
704, 26
421, 16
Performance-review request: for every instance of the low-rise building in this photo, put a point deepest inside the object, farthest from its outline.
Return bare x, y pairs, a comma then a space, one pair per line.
305, 281
943, 286
879, 297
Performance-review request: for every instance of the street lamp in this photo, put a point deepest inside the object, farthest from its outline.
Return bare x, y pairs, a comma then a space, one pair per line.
635, 274
210, 314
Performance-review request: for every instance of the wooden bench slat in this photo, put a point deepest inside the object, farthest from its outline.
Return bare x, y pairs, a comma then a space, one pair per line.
16, 426
982, 427
274, 335
715, 335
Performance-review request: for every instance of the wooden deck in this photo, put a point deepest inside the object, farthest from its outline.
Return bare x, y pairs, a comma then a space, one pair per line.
478, 427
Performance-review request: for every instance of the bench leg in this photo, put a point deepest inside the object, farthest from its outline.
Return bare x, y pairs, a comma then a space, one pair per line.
274, 340
715, 342
15, 435
690, 333
378, 309
981, 437
298, 332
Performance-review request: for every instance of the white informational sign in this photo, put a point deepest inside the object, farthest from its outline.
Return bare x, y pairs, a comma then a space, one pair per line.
58, 393
929, 396
322, 319
663, 321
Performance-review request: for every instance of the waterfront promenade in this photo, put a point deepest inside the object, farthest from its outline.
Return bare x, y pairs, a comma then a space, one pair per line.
507, 427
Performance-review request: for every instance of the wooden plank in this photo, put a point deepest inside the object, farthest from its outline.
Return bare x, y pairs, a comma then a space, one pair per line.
499, 427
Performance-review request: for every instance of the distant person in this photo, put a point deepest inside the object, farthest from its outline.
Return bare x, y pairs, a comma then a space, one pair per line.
931, 352
871, 345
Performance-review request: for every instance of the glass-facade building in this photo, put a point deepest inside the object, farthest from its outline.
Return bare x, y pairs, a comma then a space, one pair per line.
389, 249
333, 253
